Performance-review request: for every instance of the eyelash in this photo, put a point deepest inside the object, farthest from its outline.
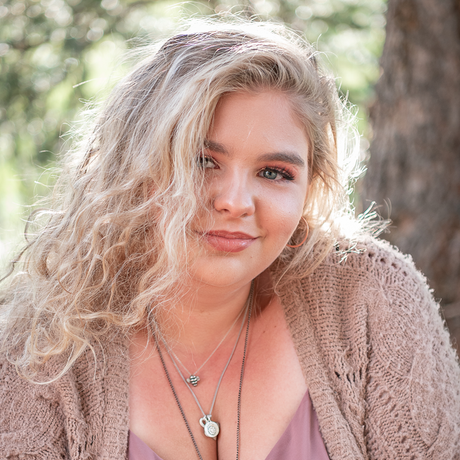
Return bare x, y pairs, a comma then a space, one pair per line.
285, 173
202, 158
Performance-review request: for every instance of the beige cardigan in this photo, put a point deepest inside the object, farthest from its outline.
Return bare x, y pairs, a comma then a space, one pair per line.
382, 376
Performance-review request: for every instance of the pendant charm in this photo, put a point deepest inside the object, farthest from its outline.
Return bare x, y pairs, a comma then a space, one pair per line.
193, 379
211, 429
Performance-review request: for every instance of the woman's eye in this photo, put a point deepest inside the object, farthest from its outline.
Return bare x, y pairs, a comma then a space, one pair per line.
275, 174
206, 162
270, 174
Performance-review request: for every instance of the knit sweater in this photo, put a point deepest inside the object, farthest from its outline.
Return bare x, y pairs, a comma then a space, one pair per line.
377, 361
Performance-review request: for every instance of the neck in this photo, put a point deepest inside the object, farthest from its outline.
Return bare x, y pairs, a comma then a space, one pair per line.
202, 315
199, 320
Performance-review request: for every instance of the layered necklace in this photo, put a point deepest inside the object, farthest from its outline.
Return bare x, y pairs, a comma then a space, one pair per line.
211, 428
193, 376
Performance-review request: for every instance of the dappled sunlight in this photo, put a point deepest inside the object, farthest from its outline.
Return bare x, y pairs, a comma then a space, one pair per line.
57, 54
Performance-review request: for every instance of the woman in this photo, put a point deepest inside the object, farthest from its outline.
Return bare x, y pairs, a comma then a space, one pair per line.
194, 294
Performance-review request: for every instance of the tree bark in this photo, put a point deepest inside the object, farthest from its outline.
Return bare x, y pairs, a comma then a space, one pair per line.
415, 152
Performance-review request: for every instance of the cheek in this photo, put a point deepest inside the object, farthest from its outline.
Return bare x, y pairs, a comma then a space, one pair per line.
281, 219
286, 228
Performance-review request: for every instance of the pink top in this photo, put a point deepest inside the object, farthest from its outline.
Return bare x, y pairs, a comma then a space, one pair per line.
301, 440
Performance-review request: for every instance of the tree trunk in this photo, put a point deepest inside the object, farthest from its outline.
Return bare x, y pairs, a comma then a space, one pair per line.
415, 152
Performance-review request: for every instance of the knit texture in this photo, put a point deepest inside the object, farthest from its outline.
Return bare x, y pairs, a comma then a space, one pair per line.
381, 373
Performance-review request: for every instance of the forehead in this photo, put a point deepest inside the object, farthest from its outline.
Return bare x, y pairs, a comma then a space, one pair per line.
260, 121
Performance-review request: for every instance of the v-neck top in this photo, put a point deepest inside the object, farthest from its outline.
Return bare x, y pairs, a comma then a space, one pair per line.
300, 441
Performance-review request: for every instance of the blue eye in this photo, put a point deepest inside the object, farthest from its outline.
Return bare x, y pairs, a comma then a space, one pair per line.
276, 174
270, 174
206, 162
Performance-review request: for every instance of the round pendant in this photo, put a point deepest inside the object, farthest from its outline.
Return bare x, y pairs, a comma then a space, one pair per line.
211, 429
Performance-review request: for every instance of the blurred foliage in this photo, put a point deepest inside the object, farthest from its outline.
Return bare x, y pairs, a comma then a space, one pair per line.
55, 54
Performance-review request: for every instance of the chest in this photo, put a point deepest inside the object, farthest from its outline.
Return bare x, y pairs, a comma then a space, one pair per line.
272, 389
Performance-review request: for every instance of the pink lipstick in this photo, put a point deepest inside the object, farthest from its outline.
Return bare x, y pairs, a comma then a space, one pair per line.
224, 241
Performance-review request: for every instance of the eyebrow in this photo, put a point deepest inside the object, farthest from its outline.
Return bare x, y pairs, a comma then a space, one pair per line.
215, 147
286, 157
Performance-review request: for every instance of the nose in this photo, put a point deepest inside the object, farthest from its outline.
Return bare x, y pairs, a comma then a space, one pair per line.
233, 196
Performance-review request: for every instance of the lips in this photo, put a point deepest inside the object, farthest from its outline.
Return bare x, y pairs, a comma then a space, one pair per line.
225, 241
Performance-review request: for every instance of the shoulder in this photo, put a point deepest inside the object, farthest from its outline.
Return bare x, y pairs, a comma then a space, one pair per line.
357, 280
367, 294
374, 315
30, 420
401, 309
370, 270
65, 416
376, 257
414, 374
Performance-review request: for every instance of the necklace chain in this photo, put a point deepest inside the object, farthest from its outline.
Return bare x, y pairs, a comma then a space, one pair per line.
221, 376
177, 399
240, 387
193, 377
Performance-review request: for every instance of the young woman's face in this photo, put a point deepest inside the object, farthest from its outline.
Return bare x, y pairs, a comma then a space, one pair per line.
256, 167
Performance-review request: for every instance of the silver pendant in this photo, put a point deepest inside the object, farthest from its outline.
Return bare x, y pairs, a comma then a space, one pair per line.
211, 429
193, 379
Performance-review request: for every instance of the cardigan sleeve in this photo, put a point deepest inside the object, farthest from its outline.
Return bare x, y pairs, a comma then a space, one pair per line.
413, 390
31, 423
80, 416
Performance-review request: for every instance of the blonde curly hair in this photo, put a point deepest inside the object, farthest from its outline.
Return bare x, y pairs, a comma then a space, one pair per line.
115, 239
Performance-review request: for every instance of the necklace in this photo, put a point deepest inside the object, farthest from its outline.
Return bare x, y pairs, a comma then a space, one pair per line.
211, 428
240, 387
193, 377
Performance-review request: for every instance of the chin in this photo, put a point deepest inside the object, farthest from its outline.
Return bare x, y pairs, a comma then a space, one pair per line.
225, 272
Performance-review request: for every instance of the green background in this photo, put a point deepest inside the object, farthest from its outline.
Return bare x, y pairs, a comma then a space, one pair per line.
57, 55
